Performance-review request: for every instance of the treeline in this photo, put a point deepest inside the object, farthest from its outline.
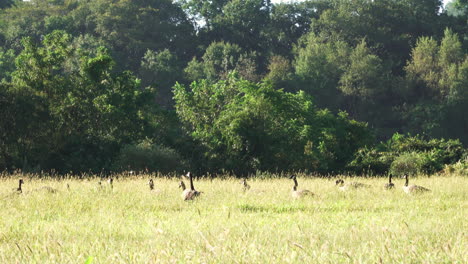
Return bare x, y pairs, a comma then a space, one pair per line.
233, 85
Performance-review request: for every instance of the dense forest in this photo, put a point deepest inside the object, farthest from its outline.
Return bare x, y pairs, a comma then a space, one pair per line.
240, 86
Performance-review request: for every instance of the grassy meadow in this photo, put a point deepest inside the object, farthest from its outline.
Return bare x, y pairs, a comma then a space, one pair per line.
131, 224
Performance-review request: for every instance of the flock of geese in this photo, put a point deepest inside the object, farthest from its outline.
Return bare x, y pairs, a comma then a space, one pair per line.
191, 193
409, 189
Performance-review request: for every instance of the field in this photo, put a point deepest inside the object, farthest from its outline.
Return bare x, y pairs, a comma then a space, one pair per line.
131, 224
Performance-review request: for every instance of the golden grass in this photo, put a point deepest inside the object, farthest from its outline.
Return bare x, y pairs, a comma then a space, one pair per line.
130, 224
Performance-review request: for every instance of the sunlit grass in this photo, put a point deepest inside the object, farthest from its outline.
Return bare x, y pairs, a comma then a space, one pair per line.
130, 224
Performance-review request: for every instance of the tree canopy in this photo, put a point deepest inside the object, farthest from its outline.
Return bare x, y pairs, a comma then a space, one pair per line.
229, 85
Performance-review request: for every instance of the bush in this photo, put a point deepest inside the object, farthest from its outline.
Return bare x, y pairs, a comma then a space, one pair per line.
449, 151
459, 168
147, 155
371, 161
400, 151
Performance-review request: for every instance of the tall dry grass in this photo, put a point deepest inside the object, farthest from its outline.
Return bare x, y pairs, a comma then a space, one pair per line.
130, 224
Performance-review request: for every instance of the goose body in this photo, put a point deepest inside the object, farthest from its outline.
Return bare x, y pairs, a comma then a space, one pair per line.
189, 194
151, 184
19, 189
389, 185
412, 189
295, 193
245, 185
152, 188
350, 186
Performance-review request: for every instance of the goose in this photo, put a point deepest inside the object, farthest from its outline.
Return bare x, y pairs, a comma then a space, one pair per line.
19, 189
413, 188
245, 185
298, 193
16, 191
351, 185
389, 185
189, 194
151, 184
111, 182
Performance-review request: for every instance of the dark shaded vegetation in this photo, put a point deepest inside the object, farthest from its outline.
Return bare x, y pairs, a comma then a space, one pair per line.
233, 85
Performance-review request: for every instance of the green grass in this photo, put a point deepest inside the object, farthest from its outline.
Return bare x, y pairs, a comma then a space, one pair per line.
130, 224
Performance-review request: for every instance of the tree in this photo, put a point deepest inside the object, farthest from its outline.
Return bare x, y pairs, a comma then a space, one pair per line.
280, 71
245, 127
435, 68
24, 127
392, 27
290, 21
242, 22
202, 12
7, 64
90, 112
6, 3
161, 70
319, 65
221, 58
457, 8
439, 73
132, 27
365, 76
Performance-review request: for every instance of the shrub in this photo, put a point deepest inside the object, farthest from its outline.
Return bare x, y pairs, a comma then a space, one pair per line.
459, 168
371, 161
449, 151
397, 153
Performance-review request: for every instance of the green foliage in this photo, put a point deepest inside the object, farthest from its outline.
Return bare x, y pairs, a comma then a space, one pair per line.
161, 70
219, 59
364, 76
398, 153
247, 127
79, 81
410, 163
428, 162
280, 71
437, 75
24, 126
458, 168
89, 112
457, 8
319, 65
6, 3
371, 161
242, 22
7, 64
89, 260
437, 67
289, 21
